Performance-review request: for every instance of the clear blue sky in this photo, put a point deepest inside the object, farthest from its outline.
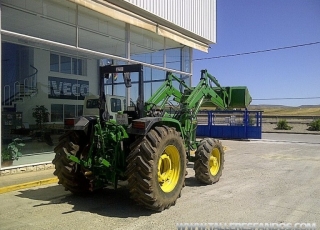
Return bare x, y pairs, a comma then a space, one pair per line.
252, 25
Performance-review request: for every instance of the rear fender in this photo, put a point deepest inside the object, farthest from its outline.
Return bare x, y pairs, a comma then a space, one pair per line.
143, 125
86, 124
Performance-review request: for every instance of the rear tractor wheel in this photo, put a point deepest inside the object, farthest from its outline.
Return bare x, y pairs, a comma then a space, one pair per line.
209, 161
156, 168
68, 172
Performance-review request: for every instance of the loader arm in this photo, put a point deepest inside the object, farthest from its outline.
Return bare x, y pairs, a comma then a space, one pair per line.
191, 103
205, 90
192, 98
165, 91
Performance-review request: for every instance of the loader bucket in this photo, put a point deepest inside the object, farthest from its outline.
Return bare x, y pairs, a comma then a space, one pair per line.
239, 97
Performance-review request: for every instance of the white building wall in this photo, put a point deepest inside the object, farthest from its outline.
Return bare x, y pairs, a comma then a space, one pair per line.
197, 16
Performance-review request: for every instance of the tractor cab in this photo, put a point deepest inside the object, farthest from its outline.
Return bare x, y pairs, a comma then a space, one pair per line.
113, 105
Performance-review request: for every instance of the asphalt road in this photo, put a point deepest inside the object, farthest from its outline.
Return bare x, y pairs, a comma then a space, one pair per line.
272, 180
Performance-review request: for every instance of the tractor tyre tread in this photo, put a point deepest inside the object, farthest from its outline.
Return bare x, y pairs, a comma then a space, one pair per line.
143, 167
68, 172
201, 164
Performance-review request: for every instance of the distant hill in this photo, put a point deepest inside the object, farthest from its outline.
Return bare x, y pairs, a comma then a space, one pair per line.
304, 110
309, 106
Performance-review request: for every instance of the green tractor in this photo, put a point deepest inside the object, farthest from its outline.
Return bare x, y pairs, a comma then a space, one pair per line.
146, 145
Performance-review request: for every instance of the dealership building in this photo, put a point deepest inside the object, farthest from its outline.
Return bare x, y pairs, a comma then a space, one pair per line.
51, 52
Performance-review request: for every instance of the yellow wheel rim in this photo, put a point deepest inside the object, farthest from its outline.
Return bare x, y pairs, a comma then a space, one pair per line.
169, 168
214, 161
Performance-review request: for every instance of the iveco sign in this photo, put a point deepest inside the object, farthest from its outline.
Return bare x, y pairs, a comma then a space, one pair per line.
64, 88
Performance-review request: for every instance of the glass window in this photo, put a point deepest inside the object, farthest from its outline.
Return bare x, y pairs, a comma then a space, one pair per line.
65, 64
92, 103
107, 33
147, 90
68, 65
54, 62
69, 111
108, 89
115, 105
74, 66
102, 43
28, 23
134, 93
186, 59
173, 58
80, 67
125, 104
146, 46
120, 90
80, 110
56, 113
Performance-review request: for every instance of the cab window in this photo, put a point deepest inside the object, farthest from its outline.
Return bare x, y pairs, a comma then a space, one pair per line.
92, 103
115, 105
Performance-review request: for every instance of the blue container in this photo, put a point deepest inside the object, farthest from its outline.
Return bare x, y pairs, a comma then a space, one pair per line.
241, 124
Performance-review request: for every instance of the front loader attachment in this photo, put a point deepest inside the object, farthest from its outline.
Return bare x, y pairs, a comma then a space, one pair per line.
239, 97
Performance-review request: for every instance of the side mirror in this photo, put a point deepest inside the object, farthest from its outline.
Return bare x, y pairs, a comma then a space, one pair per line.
127, 79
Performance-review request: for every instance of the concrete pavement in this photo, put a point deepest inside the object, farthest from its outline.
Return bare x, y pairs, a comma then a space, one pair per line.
41, 173
274, 180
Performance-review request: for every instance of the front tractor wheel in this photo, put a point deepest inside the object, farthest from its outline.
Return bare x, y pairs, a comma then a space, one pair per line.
156, 168
209, 161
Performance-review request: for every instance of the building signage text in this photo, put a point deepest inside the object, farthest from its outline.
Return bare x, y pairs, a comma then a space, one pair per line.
64, 88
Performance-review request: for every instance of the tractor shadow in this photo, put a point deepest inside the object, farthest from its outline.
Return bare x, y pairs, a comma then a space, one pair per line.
105, 202
193, 182
190, 180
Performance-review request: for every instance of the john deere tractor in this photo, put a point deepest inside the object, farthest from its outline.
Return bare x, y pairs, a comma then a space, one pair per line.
146, 145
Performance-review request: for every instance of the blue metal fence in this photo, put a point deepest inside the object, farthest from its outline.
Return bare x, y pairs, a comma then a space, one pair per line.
230, 124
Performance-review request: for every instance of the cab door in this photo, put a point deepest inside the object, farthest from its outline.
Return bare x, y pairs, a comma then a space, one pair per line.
115, 104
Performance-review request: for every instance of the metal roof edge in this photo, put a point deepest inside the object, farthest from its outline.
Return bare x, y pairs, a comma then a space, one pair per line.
152, 17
